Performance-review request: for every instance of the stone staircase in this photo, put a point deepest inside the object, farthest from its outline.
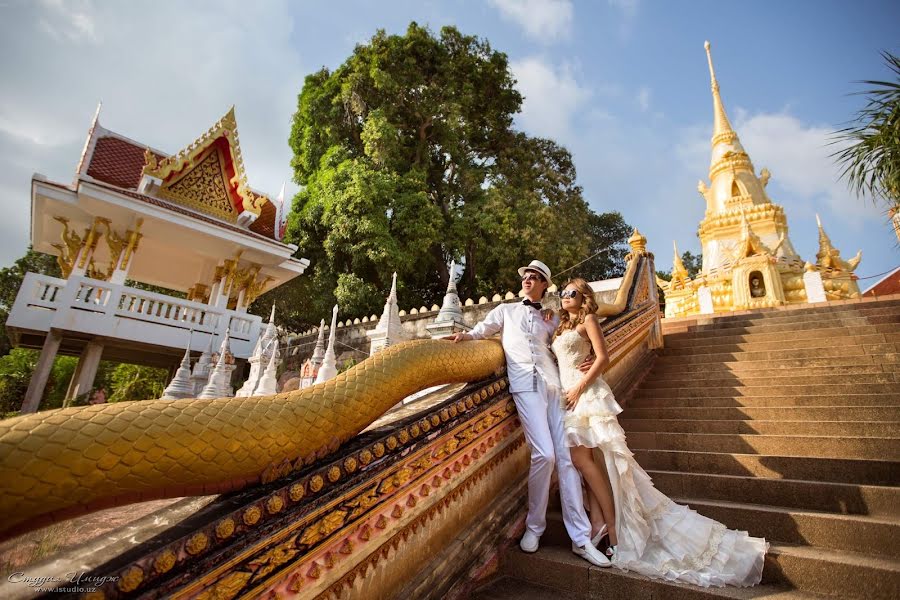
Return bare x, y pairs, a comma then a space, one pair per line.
784, 423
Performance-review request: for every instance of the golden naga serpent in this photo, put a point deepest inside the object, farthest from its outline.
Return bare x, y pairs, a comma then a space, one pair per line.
60, 463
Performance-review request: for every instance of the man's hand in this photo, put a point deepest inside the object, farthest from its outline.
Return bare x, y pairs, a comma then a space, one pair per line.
547, 314
460, 337
586, 365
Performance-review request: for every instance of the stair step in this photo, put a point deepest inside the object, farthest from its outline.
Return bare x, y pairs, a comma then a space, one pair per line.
571, 577
774, 427
509, 588
668, 366
857, 533
838, 573
774, 333
837, 470
838, 498
764, 413
832, 390
640, 401
781, 445
787, 342
868, 344
822, 382
883, 352
772, 317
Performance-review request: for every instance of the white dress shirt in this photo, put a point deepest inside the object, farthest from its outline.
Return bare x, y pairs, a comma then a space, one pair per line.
526, 342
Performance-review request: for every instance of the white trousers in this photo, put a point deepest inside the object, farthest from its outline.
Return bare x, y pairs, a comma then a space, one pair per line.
542, 419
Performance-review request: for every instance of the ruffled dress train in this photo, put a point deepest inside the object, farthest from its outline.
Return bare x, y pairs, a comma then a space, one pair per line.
656, 537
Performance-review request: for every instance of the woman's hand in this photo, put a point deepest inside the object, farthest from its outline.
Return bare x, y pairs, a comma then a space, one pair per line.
572, 396
548, 314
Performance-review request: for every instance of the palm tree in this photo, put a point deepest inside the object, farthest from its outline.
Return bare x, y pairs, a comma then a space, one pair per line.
871, 158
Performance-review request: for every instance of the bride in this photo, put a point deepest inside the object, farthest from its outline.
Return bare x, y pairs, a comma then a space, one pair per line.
648, 532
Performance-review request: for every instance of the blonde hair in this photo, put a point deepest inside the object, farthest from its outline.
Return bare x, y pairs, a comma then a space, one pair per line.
588, 306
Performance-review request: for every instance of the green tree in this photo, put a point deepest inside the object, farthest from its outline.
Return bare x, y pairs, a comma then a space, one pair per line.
407, 159
609, 234
871, 156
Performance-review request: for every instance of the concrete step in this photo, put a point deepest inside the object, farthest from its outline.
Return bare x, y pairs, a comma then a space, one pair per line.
555, 567
794, 414
670, 366
779, 445
877, 310
775, 427
837, 470
887, 352
662, 376
788, 339
872, 315
889, 400
837, 573
774, 333
856, 533
774, 388
838, 498
782, 345
777, 379
510, 588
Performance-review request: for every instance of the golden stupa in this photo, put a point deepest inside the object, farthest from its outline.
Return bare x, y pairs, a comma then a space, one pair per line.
748, 258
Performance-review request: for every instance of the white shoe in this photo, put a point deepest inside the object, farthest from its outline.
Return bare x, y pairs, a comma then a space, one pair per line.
529, 542
591, 554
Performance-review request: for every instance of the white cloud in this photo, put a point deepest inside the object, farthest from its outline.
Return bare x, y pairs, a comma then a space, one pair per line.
643, 98
542, 20
163, 82
552, 97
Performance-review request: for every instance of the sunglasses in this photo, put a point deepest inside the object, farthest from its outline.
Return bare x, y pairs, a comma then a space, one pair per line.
568, 294
532, 277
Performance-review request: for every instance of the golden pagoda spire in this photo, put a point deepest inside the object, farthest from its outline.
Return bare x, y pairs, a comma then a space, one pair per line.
679, 271
829, 257
721, 124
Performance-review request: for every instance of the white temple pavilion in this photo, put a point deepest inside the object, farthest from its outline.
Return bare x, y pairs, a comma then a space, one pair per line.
188, 222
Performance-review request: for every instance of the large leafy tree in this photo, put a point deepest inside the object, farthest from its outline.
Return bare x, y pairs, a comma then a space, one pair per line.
11, 279
408, 159
871, 155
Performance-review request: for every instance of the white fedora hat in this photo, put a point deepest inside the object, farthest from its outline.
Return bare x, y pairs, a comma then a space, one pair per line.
538, 266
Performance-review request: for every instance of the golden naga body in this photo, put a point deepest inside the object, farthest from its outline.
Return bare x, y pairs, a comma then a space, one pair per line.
61, 463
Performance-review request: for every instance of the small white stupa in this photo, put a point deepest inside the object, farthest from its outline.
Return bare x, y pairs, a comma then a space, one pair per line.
329, 366
450, 318
202, 368
268, 383
181, 385
389, 330
268, 340
219, 385
319, 351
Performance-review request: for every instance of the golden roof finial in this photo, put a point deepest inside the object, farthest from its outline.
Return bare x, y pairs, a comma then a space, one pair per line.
721, 124
829, 257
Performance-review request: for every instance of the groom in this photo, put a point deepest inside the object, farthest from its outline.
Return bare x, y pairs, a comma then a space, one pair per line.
534, 383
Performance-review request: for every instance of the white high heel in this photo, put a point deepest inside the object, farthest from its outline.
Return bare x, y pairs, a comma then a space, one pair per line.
612, 552
600, 535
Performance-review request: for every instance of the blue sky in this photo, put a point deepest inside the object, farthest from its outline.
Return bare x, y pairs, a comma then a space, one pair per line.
622, 83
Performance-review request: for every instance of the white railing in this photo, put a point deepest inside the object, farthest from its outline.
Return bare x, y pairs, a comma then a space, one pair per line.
115, 311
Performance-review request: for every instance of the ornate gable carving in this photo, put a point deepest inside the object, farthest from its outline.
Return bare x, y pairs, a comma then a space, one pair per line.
208, 175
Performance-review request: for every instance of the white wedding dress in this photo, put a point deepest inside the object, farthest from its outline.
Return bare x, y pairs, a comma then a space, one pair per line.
656, 536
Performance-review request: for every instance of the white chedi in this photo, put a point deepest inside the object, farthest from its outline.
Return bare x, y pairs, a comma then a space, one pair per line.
181, 385
389, 330
266, 347
329, 367
219, 385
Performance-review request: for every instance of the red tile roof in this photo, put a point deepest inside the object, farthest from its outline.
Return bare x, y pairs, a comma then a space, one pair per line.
889, 285
120, 163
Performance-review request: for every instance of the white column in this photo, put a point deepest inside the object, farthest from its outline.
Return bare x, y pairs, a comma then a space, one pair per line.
41, 372
85, 372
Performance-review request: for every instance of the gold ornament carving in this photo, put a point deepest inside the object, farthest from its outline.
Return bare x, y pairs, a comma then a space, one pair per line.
316, 483
334, 473
323, 528
224, 528
297, 491
69, 249
252, 515
164, 562
130, 579
196, 544
274, 505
